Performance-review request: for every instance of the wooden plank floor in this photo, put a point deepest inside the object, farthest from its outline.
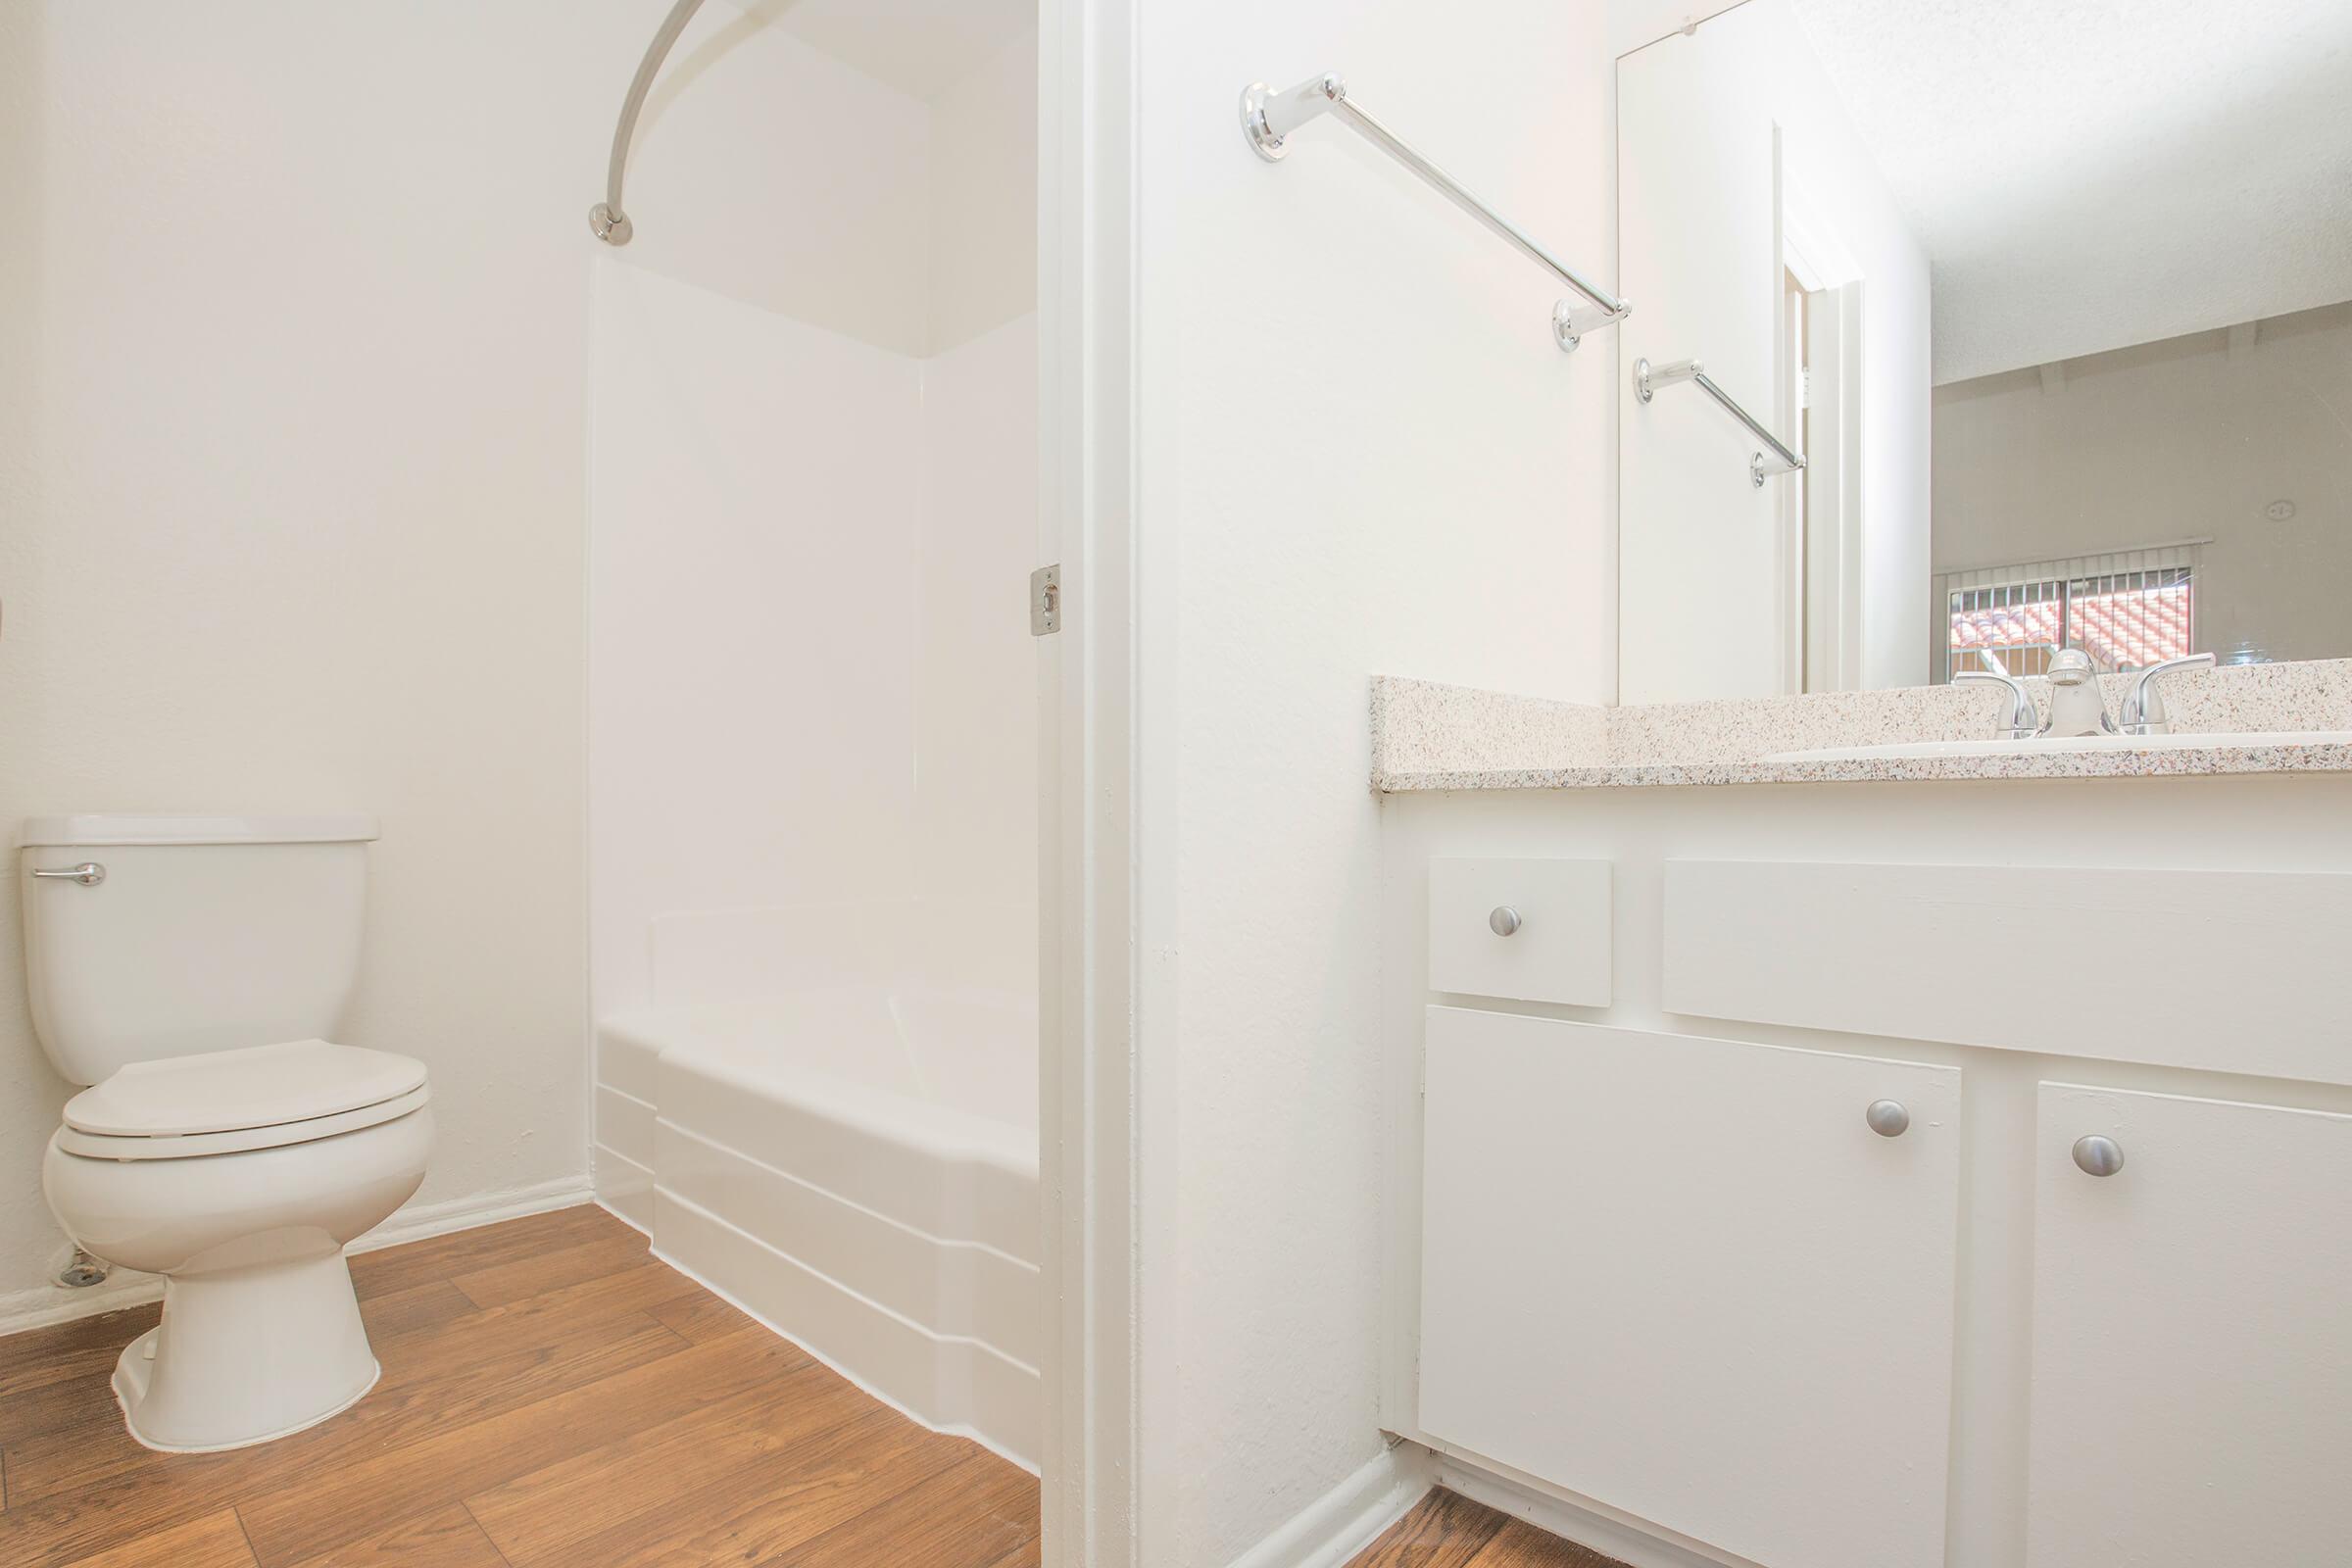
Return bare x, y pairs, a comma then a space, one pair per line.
1448, 1531
552, 1395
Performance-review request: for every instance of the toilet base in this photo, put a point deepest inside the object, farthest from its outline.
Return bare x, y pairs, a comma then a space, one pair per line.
247, 1355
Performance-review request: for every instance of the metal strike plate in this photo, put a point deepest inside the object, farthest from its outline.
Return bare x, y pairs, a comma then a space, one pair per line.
1044, 601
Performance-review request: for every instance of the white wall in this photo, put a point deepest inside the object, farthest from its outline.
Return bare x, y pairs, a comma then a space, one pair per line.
752, 666
983, 203
1701, 606
291, 409
726, 180
753, 517
1699, 569
976, 762
976, 739
813, 507
2184, 439
1361, 451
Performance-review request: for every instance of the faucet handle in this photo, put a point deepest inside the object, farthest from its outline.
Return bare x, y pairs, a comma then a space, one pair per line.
2143, 701
2022, 719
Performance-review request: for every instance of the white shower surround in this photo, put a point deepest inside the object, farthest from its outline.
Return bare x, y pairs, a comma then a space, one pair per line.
814, 777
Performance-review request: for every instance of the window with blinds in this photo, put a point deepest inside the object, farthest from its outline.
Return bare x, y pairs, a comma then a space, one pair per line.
2125, 608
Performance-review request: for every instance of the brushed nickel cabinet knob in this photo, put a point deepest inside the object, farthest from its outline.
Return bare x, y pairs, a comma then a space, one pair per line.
2097, 1155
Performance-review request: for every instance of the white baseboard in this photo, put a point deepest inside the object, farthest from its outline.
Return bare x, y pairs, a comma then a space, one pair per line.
1627, 1543
418, 1221
1348, 1518
45, 1304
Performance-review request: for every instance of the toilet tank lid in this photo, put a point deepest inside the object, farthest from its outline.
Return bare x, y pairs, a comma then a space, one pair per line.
157, 827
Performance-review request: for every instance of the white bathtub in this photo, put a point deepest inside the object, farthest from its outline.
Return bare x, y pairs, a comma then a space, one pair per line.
855, 1166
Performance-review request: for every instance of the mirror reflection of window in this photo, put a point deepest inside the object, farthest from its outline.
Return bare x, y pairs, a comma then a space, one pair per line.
2127, 612
2062, 329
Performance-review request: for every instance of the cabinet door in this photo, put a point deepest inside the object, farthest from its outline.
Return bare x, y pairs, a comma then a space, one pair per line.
2192, 1335
1686, 1279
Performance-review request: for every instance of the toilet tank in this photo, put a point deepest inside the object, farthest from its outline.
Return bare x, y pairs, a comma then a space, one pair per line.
193, 934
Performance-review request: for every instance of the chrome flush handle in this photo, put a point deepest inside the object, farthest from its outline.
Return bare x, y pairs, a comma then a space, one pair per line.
89, 873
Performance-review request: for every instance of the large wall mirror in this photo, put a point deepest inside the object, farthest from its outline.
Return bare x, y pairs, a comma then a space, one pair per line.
1975, 333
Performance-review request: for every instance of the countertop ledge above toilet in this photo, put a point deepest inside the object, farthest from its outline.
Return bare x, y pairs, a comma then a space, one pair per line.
1430, 736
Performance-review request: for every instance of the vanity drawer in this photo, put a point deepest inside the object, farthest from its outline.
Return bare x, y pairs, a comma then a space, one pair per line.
1521, 929
2219, 971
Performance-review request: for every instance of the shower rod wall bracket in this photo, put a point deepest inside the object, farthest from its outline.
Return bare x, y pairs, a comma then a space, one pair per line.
614, 228
1270, 117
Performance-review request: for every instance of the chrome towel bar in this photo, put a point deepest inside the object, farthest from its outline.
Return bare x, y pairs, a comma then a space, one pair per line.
1268, 118
1647, 377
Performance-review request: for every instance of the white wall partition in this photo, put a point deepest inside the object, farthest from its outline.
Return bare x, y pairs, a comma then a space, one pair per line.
1360, 450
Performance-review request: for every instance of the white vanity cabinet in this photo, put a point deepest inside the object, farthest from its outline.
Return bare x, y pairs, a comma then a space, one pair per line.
1687, 1278
2191, 1388
1653, 1280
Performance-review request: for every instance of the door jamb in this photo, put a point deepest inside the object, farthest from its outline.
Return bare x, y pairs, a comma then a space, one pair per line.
1105, 1205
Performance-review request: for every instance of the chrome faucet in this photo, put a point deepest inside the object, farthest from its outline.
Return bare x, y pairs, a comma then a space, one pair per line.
2144, 704
2021, 722
2076, 705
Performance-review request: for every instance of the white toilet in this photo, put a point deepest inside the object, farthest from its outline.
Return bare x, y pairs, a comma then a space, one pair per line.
183, 967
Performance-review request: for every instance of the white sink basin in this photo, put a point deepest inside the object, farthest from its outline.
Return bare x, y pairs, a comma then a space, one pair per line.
2084, 743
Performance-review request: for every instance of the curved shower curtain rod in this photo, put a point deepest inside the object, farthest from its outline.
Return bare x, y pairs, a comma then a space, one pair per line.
606, 219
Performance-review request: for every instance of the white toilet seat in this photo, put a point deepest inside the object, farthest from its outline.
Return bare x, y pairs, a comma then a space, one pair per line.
233, 1102
240, 1090
238, 1141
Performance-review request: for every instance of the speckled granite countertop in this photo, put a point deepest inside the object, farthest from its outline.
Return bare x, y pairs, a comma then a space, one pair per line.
1427, 736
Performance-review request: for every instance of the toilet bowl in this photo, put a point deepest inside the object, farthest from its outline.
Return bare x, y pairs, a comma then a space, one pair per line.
184, 967
261, 1335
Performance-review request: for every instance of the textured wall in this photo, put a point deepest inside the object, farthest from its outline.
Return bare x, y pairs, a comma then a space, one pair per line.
1365, 453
